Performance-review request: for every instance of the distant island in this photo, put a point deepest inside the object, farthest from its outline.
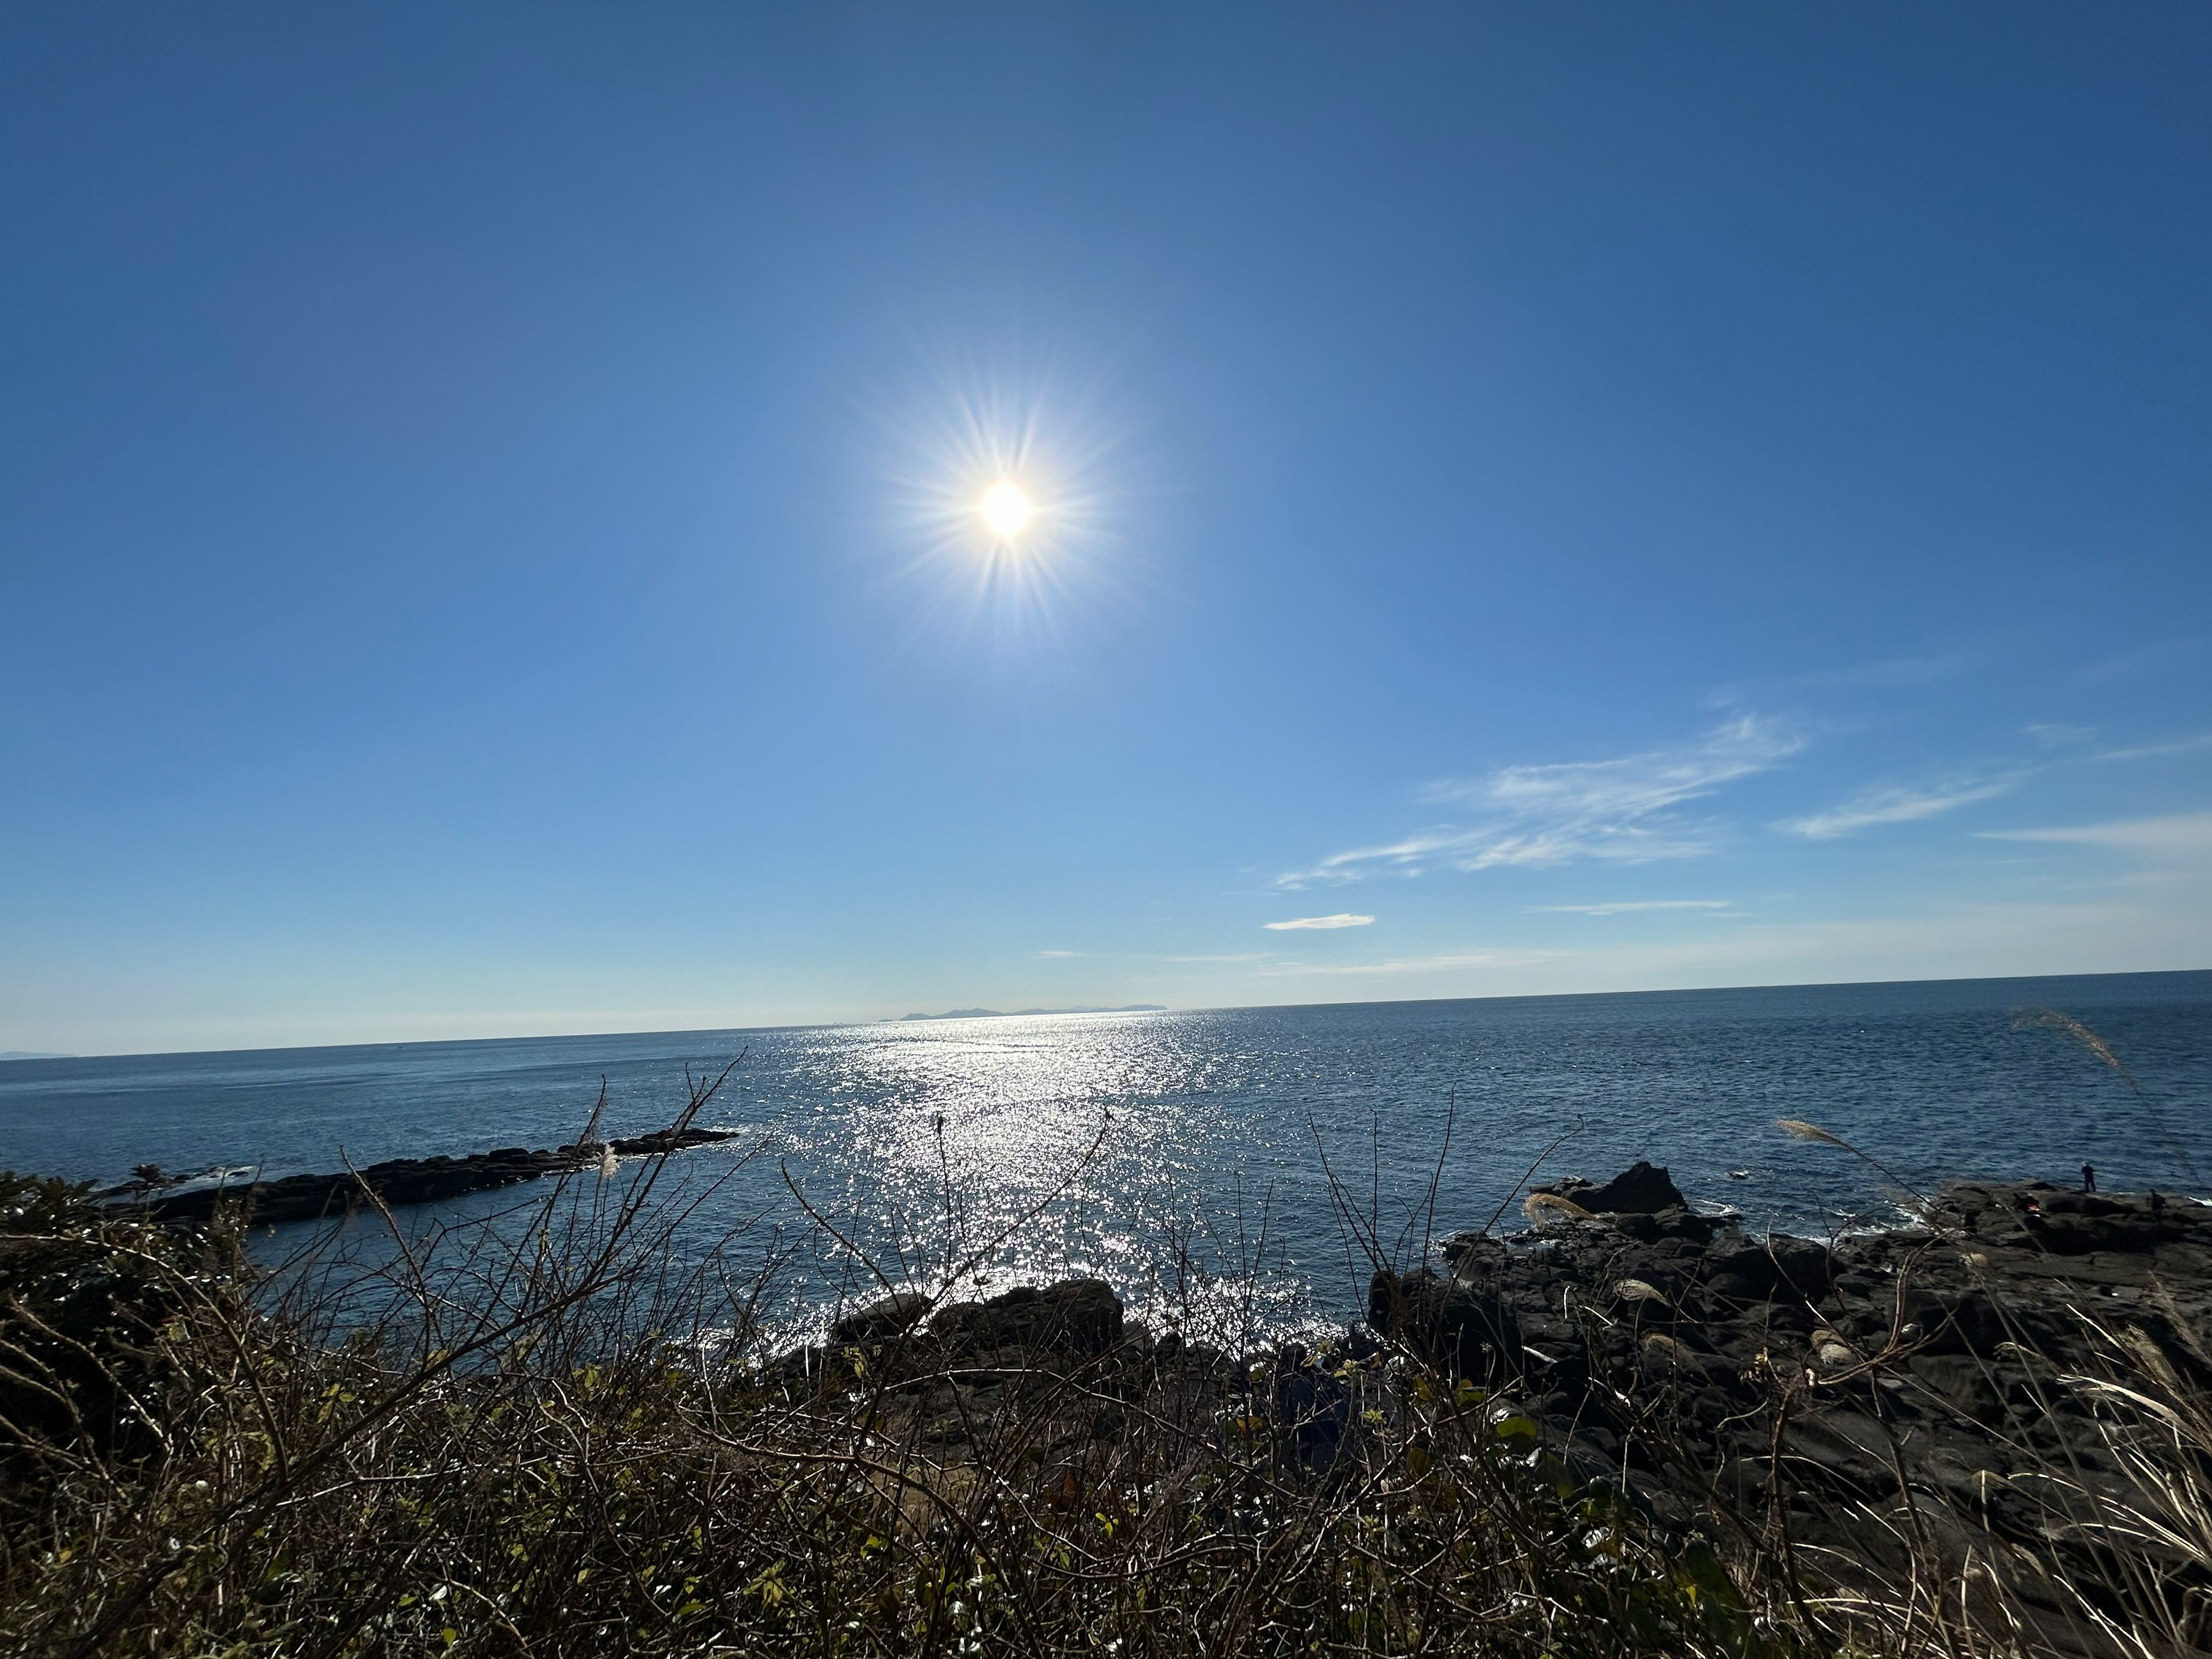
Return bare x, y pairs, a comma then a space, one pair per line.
1016, 1013
31, 1053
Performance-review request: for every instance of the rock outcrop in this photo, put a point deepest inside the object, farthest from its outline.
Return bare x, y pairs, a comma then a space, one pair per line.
1059, 1359
400, 1180
1931, 1376
1046, 1328
1938, 1392
1641, 1202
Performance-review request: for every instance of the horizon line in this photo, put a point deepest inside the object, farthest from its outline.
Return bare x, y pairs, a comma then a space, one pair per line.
1162, 1010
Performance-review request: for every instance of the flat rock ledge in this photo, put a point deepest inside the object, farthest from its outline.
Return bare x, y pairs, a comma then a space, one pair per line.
400, 1180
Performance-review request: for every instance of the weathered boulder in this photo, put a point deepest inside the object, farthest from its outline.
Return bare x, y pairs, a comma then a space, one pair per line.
1737, 1269
1455, 1326
1078, 1316
1673, 1221
1642, 1189
880, 1322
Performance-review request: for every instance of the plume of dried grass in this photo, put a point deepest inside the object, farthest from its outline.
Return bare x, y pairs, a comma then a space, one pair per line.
2025, 1019
2054, 1020
1541, 1208
1798, 1129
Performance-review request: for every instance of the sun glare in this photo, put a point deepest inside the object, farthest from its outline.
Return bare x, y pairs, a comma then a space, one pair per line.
1006, 510
1002, 501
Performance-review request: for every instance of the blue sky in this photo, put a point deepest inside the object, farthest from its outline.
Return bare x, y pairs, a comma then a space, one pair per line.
1579, 498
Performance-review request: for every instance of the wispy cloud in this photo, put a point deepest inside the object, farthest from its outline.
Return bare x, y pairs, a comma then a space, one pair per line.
1248, 956
2174, 838
1622, 810
1059, 956
1342, 919
1420, 964
2151, 751
1897, 804
1628, 907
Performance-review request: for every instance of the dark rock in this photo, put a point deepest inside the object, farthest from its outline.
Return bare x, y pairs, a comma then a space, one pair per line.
893, 1317
1080, 1316
1674, 1222
1641, 1189
400, 1180
1801, 1267
667, 1140
1457, 1328
1664, 1344
1313, 1406
1965, 1382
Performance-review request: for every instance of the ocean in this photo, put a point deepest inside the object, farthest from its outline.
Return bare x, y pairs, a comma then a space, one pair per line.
1238, 1144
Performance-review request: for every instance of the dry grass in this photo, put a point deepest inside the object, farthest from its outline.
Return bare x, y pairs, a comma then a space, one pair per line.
556, 1477
518, 1443
1541, 1208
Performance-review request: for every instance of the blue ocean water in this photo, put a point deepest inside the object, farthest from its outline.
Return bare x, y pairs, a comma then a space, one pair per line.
1202, 1135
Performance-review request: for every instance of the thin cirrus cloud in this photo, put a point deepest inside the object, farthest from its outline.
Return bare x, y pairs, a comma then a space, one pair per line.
1419, 964
1342, 919
2178, 837
1896, 804
1905, 804
2152, 750
1629, 907
1621, 810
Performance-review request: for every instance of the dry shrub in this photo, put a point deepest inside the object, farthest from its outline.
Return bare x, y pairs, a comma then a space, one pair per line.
521, 1441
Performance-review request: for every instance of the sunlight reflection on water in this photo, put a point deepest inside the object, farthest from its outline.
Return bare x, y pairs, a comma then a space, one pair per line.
1174, 1143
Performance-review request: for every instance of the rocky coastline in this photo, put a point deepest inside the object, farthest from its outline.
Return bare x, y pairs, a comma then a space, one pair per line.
1986, 1429
1862, 1397
1959, 1360
1939, 1386
396, 1181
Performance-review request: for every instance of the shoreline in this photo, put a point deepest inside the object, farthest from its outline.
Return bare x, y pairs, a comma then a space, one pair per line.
1630, 1415
400, 1181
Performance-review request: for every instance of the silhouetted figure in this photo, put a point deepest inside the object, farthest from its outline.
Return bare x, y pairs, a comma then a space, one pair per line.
2088, 1177
2157, 1203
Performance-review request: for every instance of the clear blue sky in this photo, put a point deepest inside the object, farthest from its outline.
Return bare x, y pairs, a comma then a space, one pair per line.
1623, 496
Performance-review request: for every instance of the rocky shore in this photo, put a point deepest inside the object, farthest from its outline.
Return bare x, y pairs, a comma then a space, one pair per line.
396, 1181
1945, 1380
1629, 1427
1939, 1386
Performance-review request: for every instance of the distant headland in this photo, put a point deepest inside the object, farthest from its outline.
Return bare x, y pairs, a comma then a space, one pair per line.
1016, 1013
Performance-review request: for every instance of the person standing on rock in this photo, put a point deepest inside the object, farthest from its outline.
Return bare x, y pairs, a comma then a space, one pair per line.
2088, 1177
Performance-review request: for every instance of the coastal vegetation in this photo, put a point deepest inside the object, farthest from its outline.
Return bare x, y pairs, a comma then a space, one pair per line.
550, 1432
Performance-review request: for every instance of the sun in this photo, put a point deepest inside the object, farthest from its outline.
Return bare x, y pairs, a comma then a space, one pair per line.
1007, 509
